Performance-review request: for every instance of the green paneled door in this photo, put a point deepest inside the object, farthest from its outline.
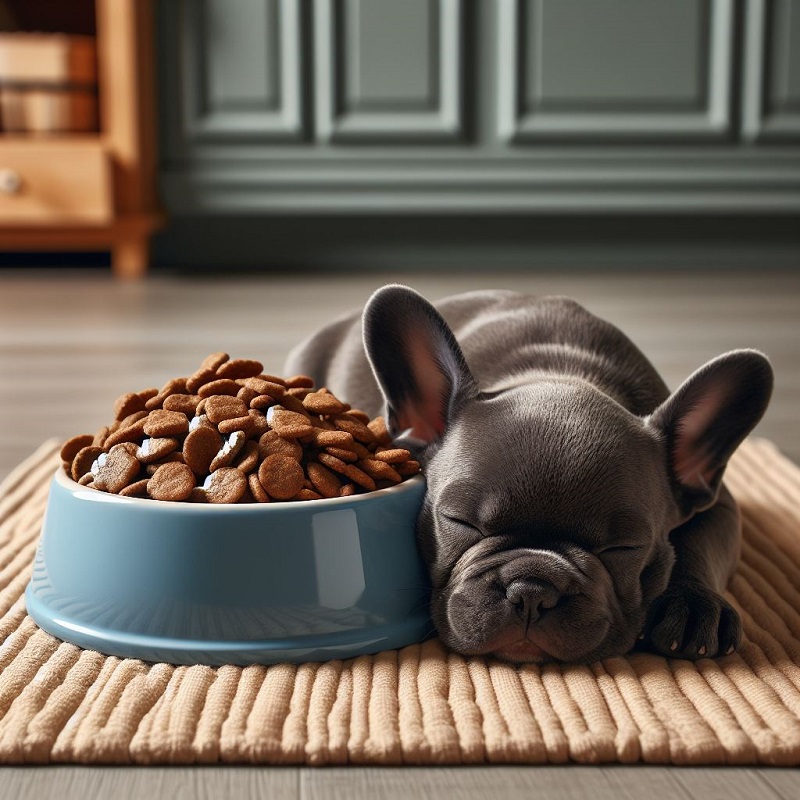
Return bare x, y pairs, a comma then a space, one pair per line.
480, 106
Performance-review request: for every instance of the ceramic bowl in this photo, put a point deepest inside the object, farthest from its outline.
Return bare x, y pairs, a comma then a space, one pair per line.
231, 584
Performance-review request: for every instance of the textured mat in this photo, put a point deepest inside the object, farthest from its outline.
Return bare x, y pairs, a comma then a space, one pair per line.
419, 705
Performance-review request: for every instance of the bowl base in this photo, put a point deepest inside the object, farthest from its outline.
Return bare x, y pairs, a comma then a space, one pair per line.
298, 649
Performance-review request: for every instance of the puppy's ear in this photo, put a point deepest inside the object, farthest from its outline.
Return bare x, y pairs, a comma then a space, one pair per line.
417, 362
707, 418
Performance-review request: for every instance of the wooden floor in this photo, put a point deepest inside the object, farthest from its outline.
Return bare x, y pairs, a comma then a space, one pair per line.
71, 342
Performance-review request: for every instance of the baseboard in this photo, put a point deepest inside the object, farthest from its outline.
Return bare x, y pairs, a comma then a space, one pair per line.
277, 242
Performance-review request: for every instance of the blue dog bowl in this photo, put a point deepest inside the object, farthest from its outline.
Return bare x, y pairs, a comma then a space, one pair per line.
231, 584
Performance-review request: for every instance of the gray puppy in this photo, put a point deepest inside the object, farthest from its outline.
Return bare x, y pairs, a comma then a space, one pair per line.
574, 508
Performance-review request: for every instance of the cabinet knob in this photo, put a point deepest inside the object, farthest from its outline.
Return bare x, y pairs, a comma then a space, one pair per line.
10, 181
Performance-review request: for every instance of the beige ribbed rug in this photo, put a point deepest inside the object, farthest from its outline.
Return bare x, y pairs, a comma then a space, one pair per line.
419, 705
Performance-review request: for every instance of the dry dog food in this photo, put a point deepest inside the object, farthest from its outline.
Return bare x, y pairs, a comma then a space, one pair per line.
231, 434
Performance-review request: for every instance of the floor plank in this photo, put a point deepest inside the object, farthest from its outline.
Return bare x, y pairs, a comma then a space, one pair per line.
148, 783
394, 783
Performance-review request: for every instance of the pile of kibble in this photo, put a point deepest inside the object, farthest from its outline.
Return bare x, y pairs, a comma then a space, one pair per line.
231, 434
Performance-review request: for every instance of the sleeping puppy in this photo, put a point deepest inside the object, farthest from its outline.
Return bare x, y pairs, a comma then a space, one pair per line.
575, 508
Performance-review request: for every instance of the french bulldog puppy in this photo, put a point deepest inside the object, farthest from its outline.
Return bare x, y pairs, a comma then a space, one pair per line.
575, 508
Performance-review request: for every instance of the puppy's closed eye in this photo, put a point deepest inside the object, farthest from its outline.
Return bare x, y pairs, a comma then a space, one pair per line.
459, 522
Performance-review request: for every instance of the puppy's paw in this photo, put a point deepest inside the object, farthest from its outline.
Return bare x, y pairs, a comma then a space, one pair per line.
691, 621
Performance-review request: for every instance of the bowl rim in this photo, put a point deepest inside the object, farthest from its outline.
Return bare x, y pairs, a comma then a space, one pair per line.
145, 503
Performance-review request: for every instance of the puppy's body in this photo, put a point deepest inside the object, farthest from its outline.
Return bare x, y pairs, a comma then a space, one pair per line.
573, 503
508, 339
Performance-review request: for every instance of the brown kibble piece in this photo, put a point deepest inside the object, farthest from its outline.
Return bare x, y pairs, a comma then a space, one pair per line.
175, 457
71, 447
336, 464
245, 423
240, 368
214, 361
360, 477
262, 401
155, 449
223, 386
354, 473
135, 489
361, 451
260, 424
273, 379
291, 403
222, 407
172, 481
146, 394
394, 456
271, 443
323, 480
379, 470
230, 449
245, 394
380, 431
200, 447
131, 418
166, 423
281, 476
225, 485
347, 490
127, 404
408, 468
200, 378
308, 494
249, 458
299, 381
131, 433
101, 437
342, 453
83, 461
261, 386
289, 423
174, 386
323, 403
256, 489
115, 469
323, 438
185, 403
357, 429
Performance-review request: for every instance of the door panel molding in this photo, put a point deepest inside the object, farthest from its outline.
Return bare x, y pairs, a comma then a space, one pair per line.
273, 109
342, 114
592, 121
771, 76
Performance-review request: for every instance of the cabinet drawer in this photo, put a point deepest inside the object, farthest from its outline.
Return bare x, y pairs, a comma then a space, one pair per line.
52, 183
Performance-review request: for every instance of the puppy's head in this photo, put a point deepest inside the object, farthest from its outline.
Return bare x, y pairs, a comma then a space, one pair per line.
548, 508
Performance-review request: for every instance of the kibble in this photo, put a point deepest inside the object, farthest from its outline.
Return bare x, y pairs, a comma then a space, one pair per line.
225, 485
230, 433
173, 481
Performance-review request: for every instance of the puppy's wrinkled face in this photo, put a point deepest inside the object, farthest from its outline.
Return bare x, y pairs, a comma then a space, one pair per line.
545, 525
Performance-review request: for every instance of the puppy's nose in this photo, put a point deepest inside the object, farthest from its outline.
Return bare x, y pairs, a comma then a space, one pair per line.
531, 598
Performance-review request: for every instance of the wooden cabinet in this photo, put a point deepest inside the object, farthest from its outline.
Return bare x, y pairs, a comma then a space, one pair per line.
93, 190
503, 106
